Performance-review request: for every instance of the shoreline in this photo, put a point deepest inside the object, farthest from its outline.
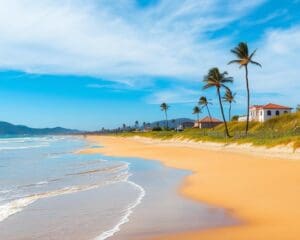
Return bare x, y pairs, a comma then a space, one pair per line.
259, 190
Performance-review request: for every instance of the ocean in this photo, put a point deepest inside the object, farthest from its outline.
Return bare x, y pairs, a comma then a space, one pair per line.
48, 191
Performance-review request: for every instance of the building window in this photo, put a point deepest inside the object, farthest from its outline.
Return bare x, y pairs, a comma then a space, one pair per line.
261, 112
269, 113
277, 113
285, 111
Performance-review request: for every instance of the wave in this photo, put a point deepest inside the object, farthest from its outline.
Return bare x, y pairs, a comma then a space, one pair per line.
125, 218
18, 205
23, 147
26, 140
34, 184
5, 191
111, 169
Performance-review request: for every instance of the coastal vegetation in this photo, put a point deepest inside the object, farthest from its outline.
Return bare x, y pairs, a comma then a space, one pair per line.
164, 107
280, 130
283, 129
243, 59
197, 111
229, 97
218, 80
204, 103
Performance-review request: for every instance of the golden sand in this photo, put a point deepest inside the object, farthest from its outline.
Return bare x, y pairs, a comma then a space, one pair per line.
263, 192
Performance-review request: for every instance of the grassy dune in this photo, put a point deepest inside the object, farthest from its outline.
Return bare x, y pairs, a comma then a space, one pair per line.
281, 130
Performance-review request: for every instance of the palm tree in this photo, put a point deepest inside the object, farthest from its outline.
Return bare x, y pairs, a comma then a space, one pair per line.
136, 124
298, 108
164, 107
243, 59
218, 80
197, 110
204, 103
230, 98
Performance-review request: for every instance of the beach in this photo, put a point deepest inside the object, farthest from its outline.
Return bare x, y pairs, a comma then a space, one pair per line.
262, 191
49, 191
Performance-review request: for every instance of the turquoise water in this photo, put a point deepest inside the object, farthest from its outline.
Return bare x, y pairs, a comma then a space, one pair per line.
47, 191
37, 168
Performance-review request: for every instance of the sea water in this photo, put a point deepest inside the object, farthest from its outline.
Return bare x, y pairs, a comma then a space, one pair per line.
48, 191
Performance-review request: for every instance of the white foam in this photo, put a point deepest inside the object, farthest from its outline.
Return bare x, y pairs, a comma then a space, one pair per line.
42, 182
5, 191
18, 205
23, 147
125, 218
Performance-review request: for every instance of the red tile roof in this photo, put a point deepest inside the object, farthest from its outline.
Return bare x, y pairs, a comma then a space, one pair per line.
270, 106
208, 120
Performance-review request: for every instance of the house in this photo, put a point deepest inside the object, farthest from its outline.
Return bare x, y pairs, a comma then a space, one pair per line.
261, 113
207, 122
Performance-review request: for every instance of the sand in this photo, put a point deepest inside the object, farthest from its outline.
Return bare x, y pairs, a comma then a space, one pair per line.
263, 192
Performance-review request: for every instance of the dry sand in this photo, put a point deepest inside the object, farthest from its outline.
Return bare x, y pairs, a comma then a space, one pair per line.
263, 192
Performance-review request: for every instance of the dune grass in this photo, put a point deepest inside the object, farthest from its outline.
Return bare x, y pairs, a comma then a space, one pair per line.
281, 130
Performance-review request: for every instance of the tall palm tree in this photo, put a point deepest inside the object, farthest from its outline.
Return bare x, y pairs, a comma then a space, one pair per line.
243, 59
230, 98
197, 110
204, 103
216, 79
164, 107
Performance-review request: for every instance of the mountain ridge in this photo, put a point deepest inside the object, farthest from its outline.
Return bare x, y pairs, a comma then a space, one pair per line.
7, 128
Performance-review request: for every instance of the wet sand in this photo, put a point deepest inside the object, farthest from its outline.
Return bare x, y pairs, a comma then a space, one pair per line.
263, 192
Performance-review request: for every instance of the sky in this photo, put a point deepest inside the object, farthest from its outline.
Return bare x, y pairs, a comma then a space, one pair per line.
101, 63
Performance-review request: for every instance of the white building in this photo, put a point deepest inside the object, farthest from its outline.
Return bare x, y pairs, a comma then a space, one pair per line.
262, 113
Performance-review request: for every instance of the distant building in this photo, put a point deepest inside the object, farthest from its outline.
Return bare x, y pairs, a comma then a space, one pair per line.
261, 113
207, 123
242, 118
187, 124
184, 125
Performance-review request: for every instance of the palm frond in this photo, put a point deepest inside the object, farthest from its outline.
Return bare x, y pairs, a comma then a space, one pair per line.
234, 61
252, 54
255, 63
236, 51
207, 86
241, 50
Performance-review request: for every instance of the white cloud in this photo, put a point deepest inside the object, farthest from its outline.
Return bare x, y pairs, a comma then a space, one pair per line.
118, 41
279, 53
114, 39
174, 95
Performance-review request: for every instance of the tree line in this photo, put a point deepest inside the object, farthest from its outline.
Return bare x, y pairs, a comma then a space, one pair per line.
220, 80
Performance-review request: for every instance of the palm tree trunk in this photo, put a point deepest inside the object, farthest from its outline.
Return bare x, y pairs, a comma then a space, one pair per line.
248, 98
209, 116
198, 120
166, 119
229, 111
222, 111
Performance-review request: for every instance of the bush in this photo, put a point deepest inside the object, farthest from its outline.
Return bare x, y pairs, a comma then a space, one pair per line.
235, 118
156, 129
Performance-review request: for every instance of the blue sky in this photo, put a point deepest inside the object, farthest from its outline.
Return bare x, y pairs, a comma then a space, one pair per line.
102, 63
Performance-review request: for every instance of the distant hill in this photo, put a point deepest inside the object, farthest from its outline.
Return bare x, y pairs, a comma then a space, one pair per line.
172, 123
11, 129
